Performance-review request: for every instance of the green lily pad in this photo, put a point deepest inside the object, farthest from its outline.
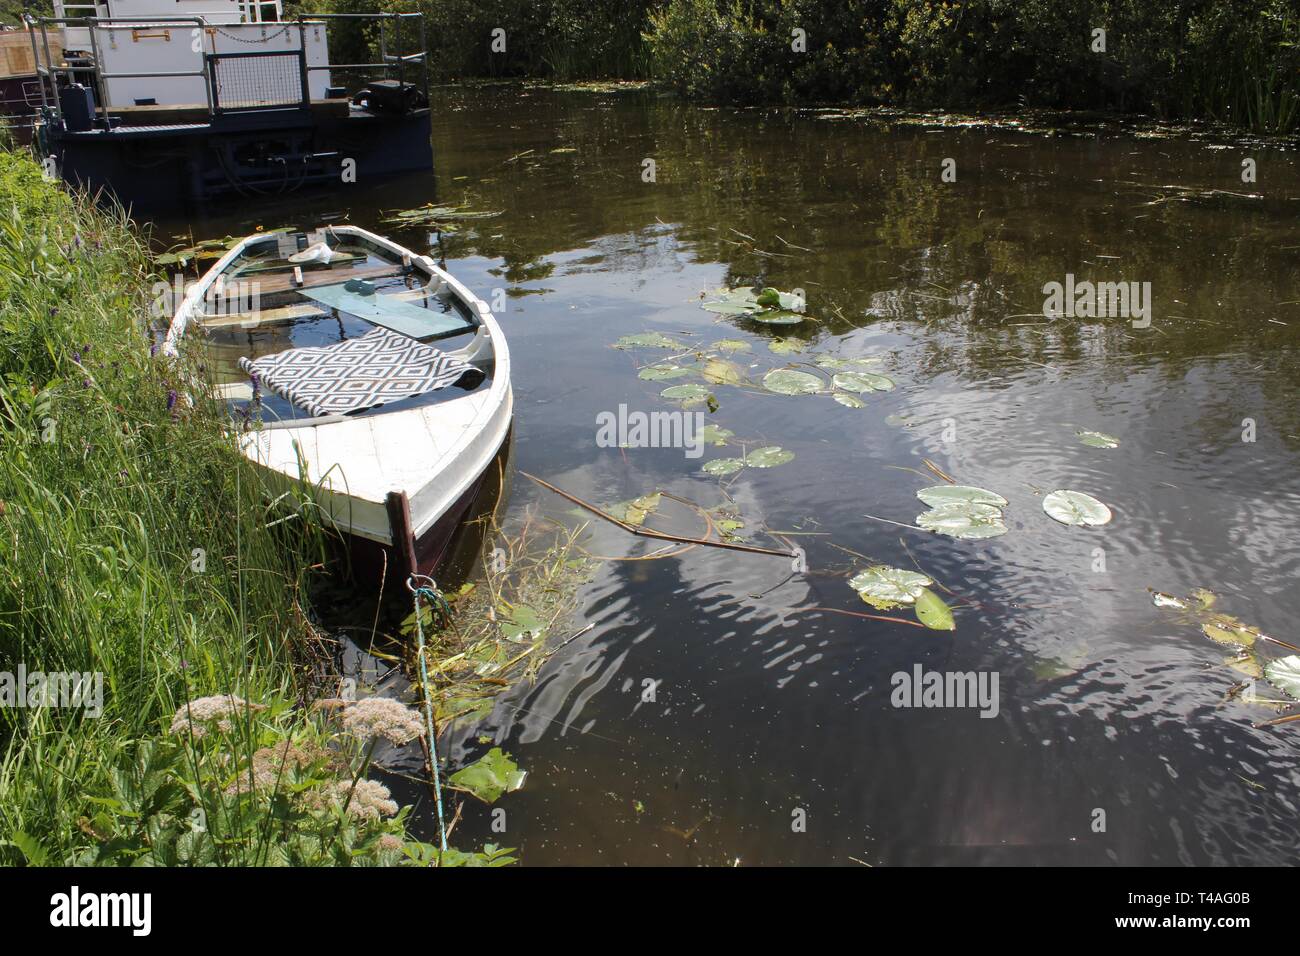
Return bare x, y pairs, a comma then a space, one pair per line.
713, 435
862, 382
722, 372
636, 510
723, 466
933, 613
490, 776
884, 587
777, 317
1076, 508
522, 621
850, 401
732, 302
786, 346
730, 308
939, 495
1284, 673
662, 373
648, 340
967, 520
842, 364
686, 393
1098, 439
789, 381
769, 457
1226, 629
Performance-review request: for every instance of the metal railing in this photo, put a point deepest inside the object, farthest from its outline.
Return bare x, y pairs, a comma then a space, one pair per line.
48, 71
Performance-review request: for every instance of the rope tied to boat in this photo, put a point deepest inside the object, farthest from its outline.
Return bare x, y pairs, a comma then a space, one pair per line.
423, 585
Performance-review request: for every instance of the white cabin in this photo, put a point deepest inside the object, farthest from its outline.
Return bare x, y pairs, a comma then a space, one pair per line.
128, 43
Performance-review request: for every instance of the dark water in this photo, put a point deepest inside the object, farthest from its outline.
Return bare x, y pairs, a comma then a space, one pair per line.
764, 708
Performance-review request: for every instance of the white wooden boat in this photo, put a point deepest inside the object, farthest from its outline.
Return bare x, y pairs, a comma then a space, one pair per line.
321, 343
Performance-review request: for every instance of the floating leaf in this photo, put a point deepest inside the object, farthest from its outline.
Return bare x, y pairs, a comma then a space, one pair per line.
1076, 508
933, 613
862, 382
769, 457
686, 393
1098, 439
713, 435
789, 381
1246, 663
841, 364
939, 495
636, 510
963, 520
661, 373
1284, 673
490, 776
729, 526
519, 622
733, 302
732, 345
852, 401
730, 308
786, 346
777, 317
723, 466
722, 372
648, 340
884, 587
1227, 629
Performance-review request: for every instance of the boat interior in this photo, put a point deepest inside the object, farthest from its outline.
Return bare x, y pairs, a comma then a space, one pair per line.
293, 290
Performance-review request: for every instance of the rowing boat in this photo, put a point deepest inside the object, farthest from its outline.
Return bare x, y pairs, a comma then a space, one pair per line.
362, 371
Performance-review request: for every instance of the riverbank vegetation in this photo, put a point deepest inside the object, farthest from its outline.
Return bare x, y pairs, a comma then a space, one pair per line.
1236, 62
156, 591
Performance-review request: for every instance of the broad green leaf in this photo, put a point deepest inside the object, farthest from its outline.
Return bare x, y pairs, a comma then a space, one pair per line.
660, 373
963, 520
933, 613
884, 587
713, 435
648, 340
1226, 629
1284, 673
636, 510
851, 401
786, 346
723, 466
522, 621
490, 776
686, 393
722, 372
963, 494
862, 382
768, 457
1076, 508
789, 381
777, 317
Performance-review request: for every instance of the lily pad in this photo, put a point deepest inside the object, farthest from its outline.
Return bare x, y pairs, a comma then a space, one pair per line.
686, 393
884, 587
1284, 673
648, 340
789, 381
939, 495
786, 346
730, 308
662, 373
1098, 439
723, 466
490, 776
843, 364
862, 382
713, 435
777, 317
851, 401
636, 510
722, 372
967, 520
1226, 629
1076, 508
519, 622
769, 457
933, 613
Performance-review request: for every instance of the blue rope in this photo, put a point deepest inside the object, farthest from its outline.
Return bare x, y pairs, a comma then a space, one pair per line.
440, 603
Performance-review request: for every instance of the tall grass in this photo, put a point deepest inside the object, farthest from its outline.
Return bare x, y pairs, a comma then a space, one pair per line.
137, 543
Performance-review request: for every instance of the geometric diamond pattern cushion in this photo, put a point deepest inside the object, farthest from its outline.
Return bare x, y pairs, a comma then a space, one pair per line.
379, 367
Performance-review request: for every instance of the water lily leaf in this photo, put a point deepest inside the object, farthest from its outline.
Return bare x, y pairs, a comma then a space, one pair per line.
730, 308
966, 494
1227, 629
777, 317
723, 466
732, 302
1284, 674
636, 510
769, 457
842, 364
851, 401
722, 372
1203, 597
786, 346
1245, 663
661, 373
686, 393
789, 381
933, 613
648, 340
1076, 508
729, 526
490, 776
967, 520
713, 435
518, 622
1098, 439
884, 587
862, 382
732, 345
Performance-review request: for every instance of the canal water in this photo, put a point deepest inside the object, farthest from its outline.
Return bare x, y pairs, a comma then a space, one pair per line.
726, 708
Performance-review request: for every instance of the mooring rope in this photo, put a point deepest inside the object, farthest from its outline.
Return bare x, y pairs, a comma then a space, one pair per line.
437, 601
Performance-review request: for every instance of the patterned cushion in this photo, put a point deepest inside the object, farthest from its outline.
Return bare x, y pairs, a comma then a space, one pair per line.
375, 369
